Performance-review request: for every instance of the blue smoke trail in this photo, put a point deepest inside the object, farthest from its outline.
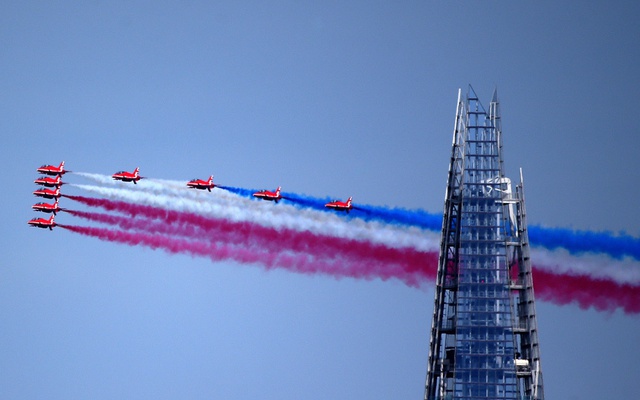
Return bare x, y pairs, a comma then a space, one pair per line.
296, 199
576, 242
239, 191
401, 216
307, 201
395, 216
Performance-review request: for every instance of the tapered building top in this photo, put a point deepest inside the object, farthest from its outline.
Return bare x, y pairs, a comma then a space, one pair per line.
484, 339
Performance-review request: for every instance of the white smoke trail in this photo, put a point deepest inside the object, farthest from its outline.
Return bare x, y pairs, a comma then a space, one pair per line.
223, 204
98, 178
226, 205
165, 187
598, 266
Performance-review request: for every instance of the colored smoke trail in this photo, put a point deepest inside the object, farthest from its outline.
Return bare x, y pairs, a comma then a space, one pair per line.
575, 242
597, 266
586, 292
305, 263
560, 289
278, 216
99, 178
557, 289
296, 199
239, 191
400, 216
585, 241
576, 262
197, 227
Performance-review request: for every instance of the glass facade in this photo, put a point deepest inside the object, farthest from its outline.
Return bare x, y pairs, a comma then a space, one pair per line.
484, 340
475, 350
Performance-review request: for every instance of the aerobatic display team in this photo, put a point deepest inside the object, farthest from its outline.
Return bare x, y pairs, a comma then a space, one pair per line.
311, 235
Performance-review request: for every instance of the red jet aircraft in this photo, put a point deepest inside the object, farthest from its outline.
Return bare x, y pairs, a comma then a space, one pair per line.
340, 205
267, 195
52, 170
127, 176
50, 182
48, 193
43, 223
200, 184
46, 207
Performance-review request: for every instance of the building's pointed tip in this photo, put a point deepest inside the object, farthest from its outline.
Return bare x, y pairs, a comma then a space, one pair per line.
471, 92
494, 98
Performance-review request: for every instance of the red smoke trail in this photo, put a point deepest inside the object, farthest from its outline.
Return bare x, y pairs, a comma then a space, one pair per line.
418, 268
123, 207
557, 289
602, 295
292, 261
195, 226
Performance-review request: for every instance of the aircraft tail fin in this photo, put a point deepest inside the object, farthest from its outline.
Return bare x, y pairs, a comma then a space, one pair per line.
349, 202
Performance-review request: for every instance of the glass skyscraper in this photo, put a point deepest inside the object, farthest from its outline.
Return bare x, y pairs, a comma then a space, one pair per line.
484, 335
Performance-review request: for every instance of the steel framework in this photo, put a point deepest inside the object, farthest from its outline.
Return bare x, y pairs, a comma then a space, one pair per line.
484, 335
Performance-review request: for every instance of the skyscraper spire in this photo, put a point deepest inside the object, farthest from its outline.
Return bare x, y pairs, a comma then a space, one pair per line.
484, 336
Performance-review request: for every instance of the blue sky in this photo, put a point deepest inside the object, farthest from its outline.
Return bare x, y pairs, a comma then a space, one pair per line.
326, 99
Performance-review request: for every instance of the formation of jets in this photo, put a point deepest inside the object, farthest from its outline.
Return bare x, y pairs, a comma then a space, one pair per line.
48, 182
51, 190
268, 195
